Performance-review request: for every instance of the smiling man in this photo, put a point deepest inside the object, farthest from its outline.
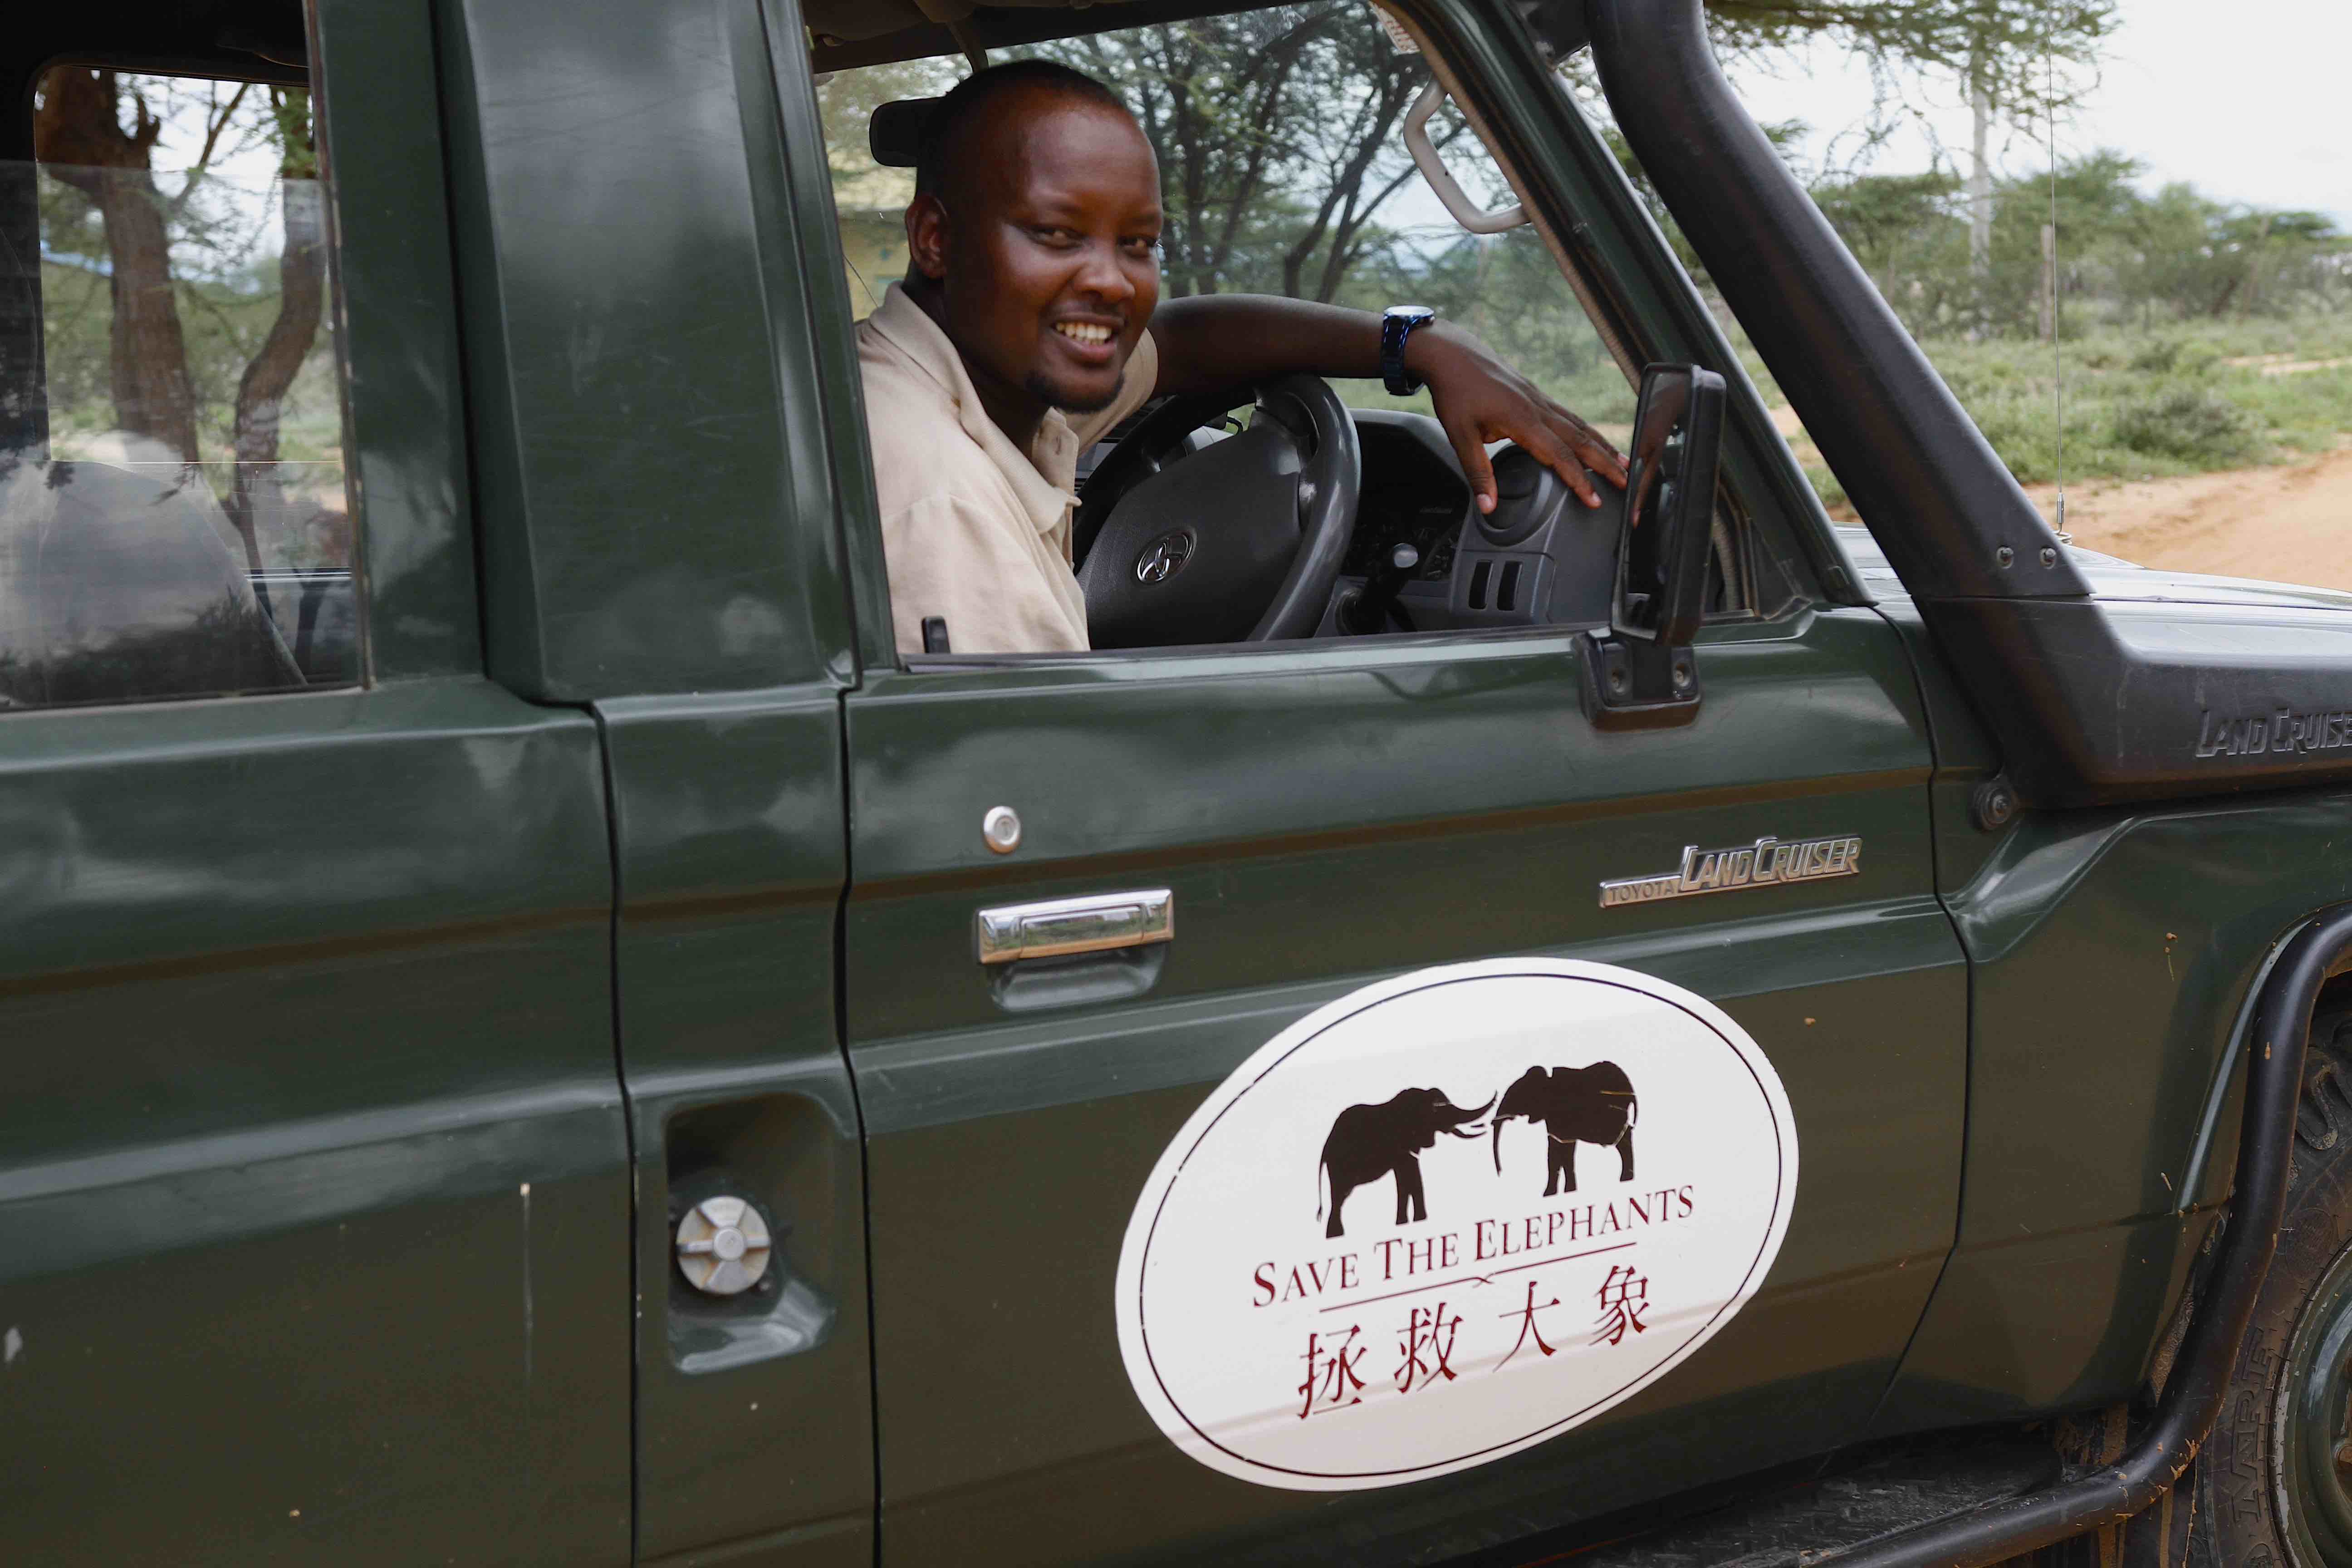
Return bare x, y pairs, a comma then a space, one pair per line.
1019, 337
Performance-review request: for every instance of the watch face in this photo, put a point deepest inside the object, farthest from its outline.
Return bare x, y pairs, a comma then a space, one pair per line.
1410, 312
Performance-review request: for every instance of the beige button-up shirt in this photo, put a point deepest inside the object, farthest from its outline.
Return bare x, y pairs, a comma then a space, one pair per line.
973, 528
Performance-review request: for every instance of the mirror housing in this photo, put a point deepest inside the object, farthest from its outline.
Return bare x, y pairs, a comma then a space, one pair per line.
1640, 674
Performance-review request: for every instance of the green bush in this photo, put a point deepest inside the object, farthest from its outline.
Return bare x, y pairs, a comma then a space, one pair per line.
2177, 356
2190, 423
2141, 405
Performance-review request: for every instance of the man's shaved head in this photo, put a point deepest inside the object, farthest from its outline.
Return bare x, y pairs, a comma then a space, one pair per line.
1033, 237
947, 129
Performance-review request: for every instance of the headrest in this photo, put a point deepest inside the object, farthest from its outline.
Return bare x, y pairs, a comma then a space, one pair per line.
896, 132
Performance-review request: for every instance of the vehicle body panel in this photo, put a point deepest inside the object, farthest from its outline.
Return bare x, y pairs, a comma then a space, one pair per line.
659, 468
2102, 1129
406, 402
637, 348
314, 1149
2112, 957
753, 1412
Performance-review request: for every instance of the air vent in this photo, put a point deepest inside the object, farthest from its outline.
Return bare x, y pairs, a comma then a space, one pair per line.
1479, 576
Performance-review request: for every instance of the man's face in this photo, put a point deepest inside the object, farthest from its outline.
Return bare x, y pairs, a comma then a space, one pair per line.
1045, 248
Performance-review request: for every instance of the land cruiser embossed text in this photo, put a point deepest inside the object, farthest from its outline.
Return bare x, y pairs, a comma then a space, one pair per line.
2280, 730
1767, 862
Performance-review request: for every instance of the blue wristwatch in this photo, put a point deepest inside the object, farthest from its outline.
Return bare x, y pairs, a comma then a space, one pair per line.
1397, 323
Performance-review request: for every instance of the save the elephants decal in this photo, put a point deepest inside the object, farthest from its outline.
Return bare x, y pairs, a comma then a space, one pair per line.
1452, 1295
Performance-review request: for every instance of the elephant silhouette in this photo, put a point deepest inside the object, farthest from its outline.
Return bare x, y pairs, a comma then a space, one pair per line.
1369, 1141
1576, 1105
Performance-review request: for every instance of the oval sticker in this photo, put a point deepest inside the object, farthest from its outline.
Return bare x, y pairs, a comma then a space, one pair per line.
1448, 1216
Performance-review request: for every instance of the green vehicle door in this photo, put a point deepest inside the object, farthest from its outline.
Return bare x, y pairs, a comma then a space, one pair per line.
314, 1193
1010, 1134
1310, 819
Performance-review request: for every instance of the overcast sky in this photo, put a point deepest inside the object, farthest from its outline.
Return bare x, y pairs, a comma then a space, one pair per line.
2249, 101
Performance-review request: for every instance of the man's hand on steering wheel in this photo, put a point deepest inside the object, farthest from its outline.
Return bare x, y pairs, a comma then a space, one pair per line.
1478, 399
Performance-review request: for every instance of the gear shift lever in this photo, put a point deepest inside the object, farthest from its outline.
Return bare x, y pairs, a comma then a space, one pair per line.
1369, 610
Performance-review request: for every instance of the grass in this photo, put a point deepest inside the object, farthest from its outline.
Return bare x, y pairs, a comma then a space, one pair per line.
2142, 405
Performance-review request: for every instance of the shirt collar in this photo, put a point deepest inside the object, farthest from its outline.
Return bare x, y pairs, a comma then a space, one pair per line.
909, 329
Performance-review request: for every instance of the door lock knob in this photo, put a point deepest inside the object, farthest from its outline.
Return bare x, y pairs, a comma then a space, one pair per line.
722, 1246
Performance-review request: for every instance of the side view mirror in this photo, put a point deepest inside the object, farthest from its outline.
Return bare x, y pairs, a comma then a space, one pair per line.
1640, 674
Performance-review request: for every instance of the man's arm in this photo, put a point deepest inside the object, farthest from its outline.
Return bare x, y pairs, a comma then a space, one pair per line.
1211, 340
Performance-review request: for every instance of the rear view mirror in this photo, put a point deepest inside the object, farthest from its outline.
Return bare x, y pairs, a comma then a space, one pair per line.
1641, 672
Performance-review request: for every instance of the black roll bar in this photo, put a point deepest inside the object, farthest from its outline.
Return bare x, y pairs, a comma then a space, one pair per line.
1869, 398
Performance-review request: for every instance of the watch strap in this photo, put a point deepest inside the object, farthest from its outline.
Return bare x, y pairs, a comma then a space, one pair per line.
1395, 330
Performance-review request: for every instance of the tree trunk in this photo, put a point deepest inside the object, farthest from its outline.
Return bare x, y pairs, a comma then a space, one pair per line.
1981, 190
1342, 210
150, 356
1395, 97
79, 132
1279, 60
256, 498
1192, 152
2246, 300
2049, 282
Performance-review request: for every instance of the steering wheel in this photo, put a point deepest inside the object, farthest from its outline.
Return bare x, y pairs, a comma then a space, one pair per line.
1239, 540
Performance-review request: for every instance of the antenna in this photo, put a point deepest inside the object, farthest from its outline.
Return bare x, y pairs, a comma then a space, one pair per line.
2050, 253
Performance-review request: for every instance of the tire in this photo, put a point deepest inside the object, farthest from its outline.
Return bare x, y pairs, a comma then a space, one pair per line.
2264, 1492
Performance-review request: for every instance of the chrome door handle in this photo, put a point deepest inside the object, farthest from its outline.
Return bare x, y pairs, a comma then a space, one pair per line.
1095, 923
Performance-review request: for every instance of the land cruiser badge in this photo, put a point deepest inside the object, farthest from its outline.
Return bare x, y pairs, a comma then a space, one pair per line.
1766, 863
1342, 1274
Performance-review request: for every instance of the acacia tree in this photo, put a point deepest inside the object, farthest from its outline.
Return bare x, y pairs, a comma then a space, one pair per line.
1276, 129
255, 492
2131, 258
1898, 227
1276, 132
2031, 57
1359, 166
1223, 101
2025, 61
187, 349
78, 132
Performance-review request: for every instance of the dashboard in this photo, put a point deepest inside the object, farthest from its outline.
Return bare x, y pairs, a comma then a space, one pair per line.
1539, 558
1413, 494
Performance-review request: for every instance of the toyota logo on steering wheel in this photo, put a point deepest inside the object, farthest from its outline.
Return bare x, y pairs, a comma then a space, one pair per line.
1164, 557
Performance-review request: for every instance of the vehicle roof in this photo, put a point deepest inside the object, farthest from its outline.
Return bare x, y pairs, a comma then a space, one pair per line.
848, 34
850, 19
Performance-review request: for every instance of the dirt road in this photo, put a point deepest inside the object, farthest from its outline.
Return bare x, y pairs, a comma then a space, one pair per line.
2291, 523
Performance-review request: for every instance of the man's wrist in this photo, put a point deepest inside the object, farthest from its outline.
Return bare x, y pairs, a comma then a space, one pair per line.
1429, 348
1400, 325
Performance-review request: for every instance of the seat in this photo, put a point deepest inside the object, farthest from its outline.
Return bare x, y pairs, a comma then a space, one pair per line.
116, 585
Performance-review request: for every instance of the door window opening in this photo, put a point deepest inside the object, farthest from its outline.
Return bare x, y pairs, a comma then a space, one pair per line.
1284, 171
